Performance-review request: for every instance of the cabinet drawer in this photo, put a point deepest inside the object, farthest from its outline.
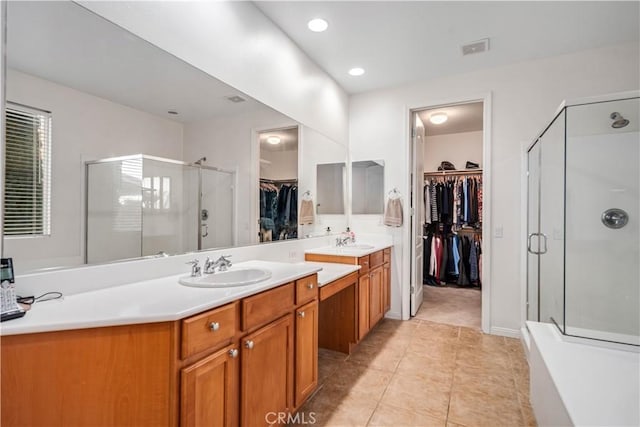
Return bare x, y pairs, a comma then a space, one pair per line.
387, 255
306, 288
363, 261
209, 329
375, 259
267, 306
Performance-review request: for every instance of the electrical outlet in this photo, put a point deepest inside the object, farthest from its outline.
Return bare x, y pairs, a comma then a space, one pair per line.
293, 254
498, 231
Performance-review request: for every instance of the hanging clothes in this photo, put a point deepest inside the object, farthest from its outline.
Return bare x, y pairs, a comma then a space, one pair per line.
278, 210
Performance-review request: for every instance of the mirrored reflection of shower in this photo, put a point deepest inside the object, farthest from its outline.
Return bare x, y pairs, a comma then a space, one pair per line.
142, 205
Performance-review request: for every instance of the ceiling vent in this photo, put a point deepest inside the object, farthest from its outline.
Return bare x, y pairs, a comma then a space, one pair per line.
475, 47
236, 98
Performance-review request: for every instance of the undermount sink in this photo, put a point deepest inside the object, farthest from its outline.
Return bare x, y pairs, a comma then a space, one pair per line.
359, 246
223, 279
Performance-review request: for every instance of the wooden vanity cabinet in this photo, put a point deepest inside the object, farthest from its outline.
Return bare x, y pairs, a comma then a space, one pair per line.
376, 295
228, 366
364, 283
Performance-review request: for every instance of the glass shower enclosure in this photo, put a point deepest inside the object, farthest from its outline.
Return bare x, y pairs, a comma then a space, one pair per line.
142, 205
583, 234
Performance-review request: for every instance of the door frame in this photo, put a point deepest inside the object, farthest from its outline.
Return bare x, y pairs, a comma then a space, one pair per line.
487, 193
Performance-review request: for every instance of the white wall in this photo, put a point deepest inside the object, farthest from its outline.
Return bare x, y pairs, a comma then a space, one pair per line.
231, 142
456, 148
84, 127
524, 98
236, 43
282, 164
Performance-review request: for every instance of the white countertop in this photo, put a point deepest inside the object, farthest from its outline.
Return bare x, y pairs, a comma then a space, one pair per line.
332, 271
157, 300
349, 250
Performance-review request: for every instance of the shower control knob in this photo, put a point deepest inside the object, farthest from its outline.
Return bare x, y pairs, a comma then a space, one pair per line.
614, 218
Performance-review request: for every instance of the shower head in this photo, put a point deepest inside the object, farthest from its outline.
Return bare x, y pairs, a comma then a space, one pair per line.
618, 121
200, 161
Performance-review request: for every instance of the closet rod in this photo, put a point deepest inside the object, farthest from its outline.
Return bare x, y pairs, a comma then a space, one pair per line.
279, 181
455, 172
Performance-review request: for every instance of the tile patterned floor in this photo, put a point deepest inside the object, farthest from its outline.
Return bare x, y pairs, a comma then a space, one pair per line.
422, 373
453, 306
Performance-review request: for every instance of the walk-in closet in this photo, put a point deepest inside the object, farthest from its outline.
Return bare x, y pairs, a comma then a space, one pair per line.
452, 214
278, 189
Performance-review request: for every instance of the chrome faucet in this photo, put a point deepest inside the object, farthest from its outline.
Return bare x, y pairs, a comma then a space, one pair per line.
342, 241
196, 271
222, 264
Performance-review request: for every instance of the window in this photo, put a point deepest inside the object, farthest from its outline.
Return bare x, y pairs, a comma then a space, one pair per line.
27, 193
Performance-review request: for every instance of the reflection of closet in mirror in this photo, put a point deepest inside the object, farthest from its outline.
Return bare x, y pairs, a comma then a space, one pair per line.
278, 192
368, 187
143, 205
330, 182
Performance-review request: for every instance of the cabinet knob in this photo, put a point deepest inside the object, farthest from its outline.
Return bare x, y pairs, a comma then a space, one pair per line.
310, 286
233, 352
301, 314
249, 344
365, 262
214, 326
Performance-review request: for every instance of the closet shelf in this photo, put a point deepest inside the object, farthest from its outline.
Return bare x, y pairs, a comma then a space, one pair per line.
454, 172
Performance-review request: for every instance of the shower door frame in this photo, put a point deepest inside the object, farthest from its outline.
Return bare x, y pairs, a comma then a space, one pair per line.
143, 157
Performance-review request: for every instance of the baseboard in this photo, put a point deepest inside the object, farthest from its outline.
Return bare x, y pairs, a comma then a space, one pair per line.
393, 315
505, 332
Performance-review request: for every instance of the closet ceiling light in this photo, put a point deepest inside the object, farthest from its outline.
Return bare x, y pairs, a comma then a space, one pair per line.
438, 118
318, 25
273, 140
357, 71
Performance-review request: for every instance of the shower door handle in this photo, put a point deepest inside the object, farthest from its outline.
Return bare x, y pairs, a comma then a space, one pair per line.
529, 243
205, 233
544, 251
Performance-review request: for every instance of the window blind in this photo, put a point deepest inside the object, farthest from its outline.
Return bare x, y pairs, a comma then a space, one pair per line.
27, 193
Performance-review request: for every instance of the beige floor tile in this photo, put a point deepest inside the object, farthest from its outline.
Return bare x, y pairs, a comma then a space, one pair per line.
449, 424
355, 380
384, 358
426, 366
435, 349
453, 306
331, 354
471, 408
528, 415
418, 394
327, 367
475, 337
380, 337
487, 356
399, 327
488, 381
352, 411
437, 331
389, 415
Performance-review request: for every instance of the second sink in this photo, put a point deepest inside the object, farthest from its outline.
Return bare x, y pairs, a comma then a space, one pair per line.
234, 277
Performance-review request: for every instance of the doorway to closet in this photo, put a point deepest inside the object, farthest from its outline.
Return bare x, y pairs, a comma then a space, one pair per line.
449, 209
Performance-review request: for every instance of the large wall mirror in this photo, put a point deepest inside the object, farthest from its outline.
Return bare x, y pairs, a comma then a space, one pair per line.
116, 149
367, 191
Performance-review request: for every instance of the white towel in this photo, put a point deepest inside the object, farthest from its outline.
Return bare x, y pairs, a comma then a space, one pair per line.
393, 213
306, 212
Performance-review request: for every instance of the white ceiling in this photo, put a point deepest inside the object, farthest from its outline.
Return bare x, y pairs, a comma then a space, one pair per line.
398, 42
64, 43
288, 139
461, 118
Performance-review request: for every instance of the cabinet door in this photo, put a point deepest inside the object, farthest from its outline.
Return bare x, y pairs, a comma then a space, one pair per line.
376, 303
363, 306
306, 378
386, 286
209, 390
267, 372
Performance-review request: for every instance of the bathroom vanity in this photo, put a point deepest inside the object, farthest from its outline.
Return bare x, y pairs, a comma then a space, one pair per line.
227, 365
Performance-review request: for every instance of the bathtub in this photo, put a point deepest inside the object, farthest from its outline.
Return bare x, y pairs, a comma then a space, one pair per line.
577, 383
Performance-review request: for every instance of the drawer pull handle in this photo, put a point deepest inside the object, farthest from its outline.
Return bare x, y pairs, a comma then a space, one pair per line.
365, 262
249, 344
310, 286
301, 314
233, 353
214, 326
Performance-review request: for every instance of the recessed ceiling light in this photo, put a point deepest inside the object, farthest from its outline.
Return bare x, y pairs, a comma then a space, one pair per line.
274, 140
318, 25
357, 71
438, 118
